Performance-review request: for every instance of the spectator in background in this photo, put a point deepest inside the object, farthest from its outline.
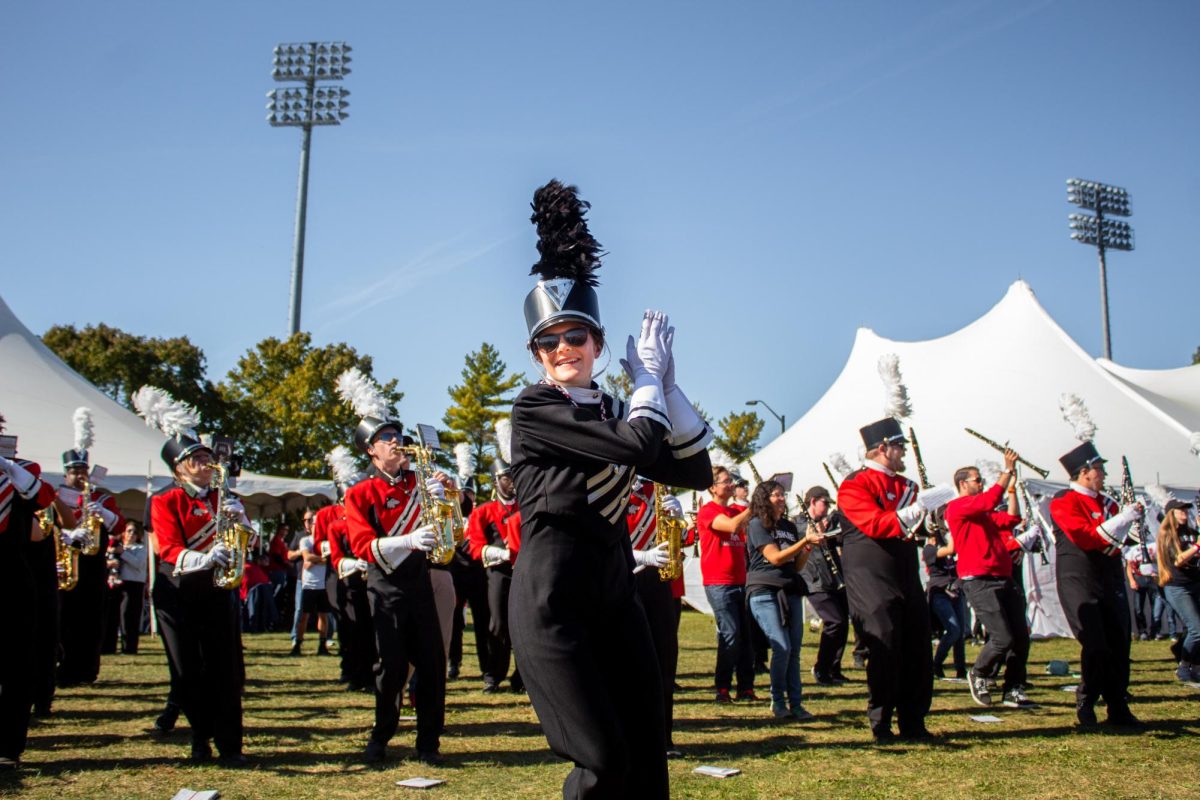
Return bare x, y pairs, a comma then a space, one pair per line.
1145, 595
313, 598
257, 599
279, 567
133, 568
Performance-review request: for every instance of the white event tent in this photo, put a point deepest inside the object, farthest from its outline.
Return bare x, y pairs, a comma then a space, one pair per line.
1001, 375
40, 396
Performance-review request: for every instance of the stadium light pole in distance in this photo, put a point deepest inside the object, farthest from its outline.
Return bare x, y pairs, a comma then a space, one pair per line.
763, 403
1105, 234
304, 107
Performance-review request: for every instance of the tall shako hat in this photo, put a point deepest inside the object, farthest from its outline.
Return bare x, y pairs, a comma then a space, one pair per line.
569, 259
502, 465
896, 407
84, 436
1085, 455
345, 469
173, 417
361, 393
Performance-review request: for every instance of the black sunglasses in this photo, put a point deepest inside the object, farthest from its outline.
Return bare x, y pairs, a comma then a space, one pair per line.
548, 342
388, 436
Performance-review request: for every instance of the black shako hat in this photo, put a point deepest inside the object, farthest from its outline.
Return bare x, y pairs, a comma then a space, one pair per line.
500, 467
179, 447
1084, 455
885, 431
370, 427
568, 263
74, 458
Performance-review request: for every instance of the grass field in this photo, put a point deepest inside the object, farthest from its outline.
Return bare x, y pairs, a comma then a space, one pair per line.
305, 737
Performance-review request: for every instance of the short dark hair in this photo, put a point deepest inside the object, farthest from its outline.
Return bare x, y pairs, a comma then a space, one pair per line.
963, 474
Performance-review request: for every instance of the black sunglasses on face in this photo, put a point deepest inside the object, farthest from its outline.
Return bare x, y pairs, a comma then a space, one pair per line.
388, 436
548, 342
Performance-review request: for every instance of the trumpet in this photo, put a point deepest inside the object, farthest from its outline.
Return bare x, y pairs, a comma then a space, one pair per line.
438, 513
1002, 447
669, 529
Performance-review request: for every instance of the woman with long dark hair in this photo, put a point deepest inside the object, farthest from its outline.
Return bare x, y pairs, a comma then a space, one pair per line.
1179, 576
775, 591
577, 628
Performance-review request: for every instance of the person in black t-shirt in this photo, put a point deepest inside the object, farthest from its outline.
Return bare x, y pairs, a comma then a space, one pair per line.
1179, 576
775, 592
946, 599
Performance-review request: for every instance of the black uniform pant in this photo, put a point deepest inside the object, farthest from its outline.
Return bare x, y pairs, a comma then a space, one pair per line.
133, 598
499, 640
82, 623
581, 637
471, 589
834, 612
201, 633
45, 635
356, 636
663, 617
1091, 589
16, 660
407, 631
1000, 606
886, 597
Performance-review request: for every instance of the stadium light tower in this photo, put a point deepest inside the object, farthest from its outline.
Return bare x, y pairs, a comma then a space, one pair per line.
304, 107
1105, 234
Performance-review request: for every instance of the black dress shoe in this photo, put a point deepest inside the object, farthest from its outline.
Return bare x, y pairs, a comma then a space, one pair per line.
9, 764
167, 719
490, 688
837, 676
921, 734
672, 753
375, 753
883, 735
452, 673
233, 761
1123, 718
201, 753
431, 758
1085, 717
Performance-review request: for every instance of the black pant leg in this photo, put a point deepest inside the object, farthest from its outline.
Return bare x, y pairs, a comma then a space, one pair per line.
499, 642
178, 626
915, 687
659, 606
40, 557
16, 661
831, 608
132, 600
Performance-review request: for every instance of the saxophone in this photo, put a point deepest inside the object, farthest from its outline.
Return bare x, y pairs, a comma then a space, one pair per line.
669, 529
92, 523
66, 559
231, 531
458, 524
438, 513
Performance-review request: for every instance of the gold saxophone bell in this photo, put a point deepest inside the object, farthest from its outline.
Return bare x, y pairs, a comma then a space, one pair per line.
66, 558
232, 532
90, 522
669, 529
440, 514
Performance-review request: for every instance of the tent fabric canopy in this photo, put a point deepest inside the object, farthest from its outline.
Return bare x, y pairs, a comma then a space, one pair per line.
40, 396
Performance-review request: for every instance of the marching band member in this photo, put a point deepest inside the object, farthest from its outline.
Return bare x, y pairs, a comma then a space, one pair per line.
81, 622
471, 590
356, 637
578, 631
657, 595
22, 494
383, 523
494, 540
200, 622
981, 536
1089, 531
826, 589
883, 584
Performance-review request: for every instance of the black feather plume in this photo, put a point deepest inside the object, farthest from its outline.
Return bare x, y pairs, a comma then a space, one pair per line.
566, 246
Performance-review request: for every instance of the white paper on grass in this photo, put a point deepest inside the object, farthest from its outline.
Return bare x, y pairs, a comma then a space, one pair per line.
420, 783
1070, 688
193, 794
717, 772
985, 718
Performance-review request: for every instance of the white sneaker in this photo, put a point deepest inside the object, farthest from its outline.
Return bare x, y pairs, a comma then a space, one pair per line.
1016, 698
979, 688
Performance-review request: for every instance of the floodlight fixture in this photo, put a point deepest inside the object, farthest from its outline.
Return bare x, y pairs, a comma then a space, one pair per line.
1103, 234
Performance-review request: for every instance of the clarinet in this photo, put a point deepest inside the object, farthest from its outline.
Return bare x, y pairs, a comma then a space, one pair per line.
912, 437
1035, 517
1129, 497
839, 584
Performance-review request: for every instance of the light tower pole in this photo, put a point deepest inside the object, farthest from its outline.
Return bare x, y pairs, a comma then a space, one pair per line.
304, 107
1105, 234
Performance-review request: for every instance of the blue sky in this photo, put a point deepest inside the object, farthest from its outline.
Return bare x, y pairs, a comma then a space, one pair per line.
773, 174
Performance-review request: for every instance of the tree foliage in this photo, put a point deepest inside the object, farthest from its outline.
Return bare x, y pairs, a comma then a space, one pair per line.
282, 405
739, 432
119, 363
618, 385
1196, 356
484, 396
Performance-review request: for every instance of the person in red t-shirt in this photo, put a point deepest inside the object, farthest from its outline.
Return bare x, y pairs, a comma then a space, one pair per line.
985, 570
722, 528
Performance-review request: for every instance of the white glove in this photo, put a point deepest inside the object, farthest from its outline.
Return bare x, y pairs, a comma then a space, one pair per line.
219, 556
689, 433
193, 561
325, 550
672, 506
657, 557
1115, 529
75, 537
108, 517
390, 551
436, 489
22, 479
349, 566
910, 516
494, 556
1031, 539
651, 354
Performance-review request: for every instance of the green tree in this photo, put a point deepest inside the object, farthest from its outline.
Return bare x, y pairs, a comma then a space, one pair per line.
119, 363
484, 396
618, 385
1196, 356
283, 408
739, 433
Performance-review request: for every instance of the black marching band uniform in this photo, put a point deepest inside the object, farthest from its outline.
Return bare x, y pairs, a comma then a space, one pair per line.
1089, 531
199, 622
22, 494
823, 574
400, 594
356, 636
81, 624
883, 586
578, 629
